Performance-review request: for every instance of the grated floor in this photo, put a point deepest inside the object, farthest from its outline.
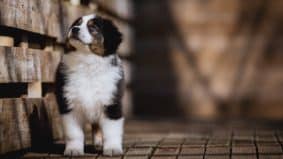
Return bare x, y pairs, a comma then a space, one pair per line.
190, 140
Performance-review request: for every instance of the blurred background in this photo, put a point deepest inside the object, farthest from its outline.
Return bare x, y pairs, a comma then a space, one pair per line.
208, 58
184, 59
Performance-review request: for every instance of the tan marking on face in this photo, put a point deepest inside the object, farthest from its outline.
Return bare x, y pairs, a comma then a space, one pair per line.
96, 46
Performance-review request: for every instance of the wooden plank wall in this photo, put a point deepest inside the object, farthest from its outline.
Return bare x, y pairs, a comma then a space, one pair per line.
31, 38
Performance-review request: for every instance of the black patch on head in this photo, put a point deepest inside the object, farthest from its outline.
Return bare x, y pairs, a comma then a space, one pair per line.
112, 37
77, 22
59, 85
91, 26
114, 111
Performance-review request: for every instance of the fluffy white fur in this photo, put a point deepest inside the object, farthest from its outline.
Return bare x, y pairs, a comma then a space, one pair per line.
112, 136
90, 86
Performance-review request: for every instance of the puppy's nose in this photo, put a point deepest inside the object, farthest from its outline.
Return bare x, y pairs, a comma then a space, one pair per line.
75, 30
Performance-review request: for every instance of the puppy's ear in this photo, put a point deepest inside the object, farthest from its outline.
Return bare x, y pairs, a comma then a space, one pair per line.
112, 37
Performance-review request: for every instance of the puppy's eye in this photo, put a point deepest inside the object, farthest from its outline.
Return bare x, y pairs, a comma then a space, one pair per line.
92, 26
90, 23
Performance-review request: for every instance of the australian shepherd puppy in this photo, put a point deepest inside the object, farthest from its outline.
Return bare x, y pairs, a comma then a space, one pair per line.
89, 86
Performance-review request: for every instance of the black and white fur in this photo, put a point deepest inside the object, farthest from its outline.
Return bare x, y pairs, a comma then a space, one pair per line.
89, 86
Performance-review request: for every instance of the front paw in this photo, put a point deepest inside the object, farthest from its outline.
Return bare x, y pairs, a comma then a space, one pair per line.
73, 151
112, 151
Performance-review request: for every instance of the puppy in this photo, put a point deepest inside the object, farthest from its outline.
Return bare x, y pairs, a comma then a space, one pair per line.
89, 86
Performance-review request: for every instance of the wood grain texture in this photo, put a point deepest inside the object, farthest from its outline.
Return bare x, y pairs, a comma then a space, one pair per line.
27, 65
6, 41
34, 89
27, 122
32, 16
14, 131
53, 114
122, 9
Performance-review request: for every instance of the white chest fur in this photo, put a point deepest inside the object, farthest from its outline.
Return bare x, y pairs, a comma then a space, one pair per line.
91, 82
